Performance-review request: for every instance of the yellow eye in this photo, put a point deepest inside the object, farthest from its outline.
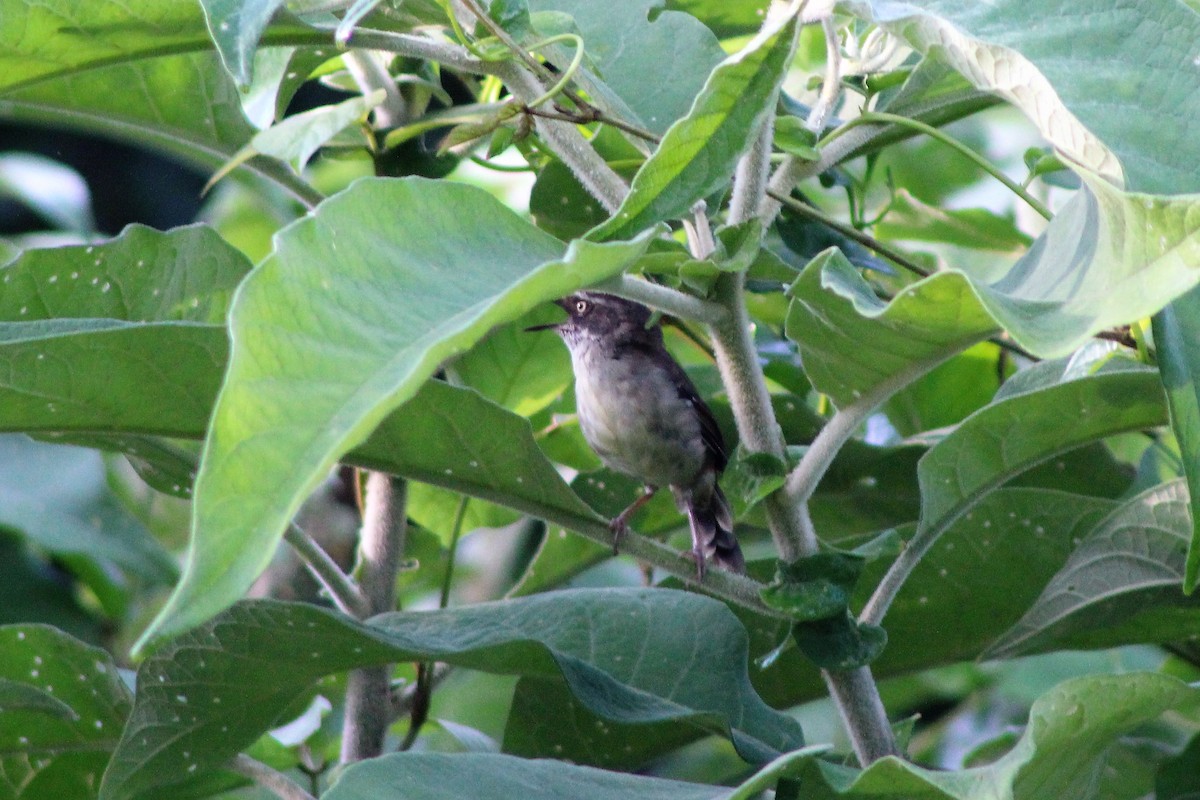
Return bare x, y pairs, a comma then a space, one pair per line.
581, 306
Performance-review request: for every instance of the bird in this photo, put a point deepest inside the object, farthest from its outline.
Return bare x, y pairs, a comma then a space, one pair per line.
642, 415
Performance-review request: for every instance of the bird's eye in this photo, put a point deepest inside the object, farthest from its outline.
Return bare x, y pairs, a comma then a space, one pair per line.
582, 306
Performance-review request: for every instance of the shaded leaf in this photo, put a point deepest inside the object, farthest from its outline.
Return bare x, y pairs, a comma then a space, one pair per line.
1177, 341
57, 741
437, 776
229, 680
840, 642
1130, 566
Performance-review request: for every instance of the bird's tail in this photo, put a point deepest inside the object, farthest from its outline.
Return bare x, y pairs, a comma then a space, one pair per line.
712, 533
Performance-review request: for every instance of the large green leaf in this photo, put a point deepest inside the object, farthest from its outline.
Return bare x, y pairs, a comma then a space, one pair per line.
1060, 754
235, 27
1013, 434
141, 71
1177, 342
484, 776
1053, 60
125, 335
637, 656
358, 305
834, 311
698, 154
629, 40
62, 707
1123, 579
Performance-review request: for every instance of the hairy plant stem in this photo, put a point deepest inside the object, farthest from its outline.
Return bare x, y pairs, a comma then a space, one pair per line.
269, 778
664, 298
341, 589
380, 548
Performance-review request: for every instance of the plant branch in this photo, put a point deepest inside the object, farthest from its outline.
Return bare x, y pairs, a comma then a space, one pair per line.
567, 142
341, 589
831, 86
422, 47
268, 778
664, 298
850, 232
380, 547
856, 696
750, 178
369, 74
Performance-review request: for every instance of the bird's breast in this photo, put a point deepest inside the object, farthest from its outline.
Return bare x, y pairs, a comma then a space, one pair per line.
631, 414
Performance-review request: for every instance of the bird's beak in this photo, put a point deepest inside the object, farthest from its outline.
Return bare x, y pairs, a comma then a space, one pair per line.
551, 326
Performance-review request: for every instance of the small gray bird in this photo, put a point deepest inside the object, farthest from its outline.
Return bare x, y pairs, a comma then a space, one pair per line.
641, 414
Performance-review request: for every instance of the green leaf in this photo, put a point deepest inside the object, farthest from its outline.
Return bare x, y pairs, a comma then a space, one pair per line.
629, 40
726, 19
364, 299
1097, 50
485, 776
1007, 437
296, 138
834, 311
815, 587
63, 709
57, 497
1177, 341
123, 335
698, 153
232, 678
1124, 577
840, 642
235, 27
1060, 754
792, 136
976, 228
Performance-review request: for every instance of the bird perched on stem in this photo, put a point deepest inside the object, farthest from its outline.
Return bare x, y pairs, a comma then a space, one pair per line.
641, 414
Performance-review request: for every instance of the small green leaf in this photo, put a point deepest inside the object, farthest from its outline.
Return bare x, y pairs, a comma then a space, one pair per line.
794, 138
815, 587
1177, 339
698, 153
840, 642
834, 311
974, 228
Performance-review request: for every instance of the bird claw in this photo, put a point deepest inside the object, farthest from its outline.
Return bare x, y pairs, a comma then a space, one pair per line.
696, 556
619, 527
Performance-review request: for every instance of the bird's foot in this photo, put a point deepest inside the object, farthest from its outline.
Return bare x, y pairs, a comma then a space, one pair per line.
696, 556
619, 525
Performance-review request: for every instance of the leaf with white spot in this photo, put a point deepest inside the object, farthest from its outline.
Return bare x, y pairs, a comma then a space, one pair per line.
62, 707
212, 691
1122, 582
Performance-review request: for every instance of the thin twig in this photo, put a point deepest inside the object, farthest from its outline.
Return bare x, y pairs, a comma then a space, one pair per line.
831, 87
343, 591
268, 778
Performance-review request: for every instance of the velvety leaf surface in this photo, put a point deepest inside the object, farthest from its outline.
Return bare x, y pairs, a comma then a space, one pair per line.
834, 311
127, 334
1131, 564
1177, 342
697, 155
629, 40
359, 304
644, 655
1060, 753
1080, 71
62, 706
437, 776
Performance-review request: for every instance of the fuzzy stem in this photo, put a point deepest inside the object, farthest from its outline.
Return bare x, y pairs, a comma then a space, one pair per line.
341, 589
567, 142
831, 87
369, 73
750, 179
381, 545
857, 699
270, 779
664, 298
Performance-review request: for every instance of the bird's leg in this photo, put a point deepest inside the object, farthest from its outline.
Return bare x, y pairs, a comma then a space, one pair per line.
620, 523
